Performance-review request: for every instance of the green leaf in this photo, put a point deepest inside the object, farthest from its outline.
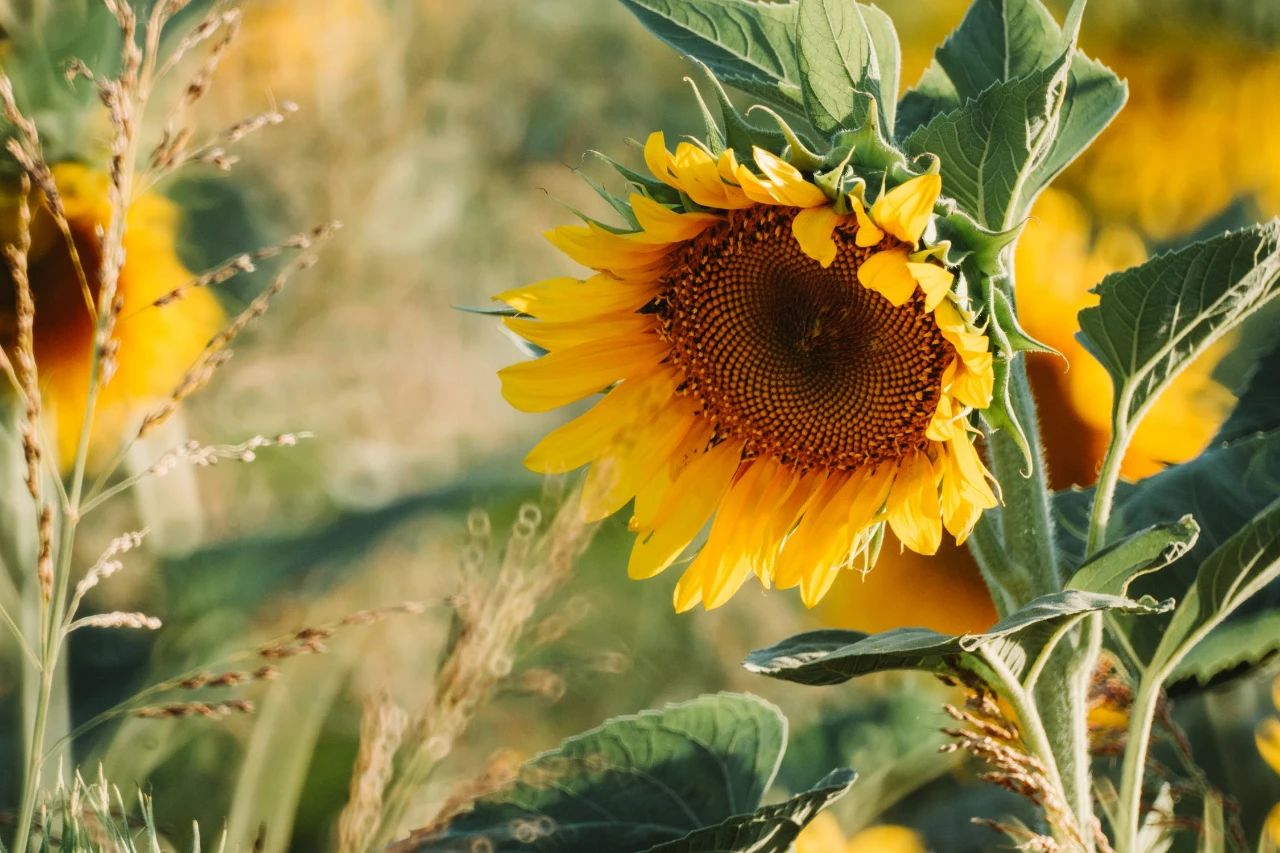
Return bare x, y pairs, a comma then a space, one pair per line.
1149, 550
1258, 407
1240, 568
834, 656
1000, 42
1236, 645
884, 38
747, 44
771, 829
837, 59
996, 42
636, 781
1154, 319
990, 146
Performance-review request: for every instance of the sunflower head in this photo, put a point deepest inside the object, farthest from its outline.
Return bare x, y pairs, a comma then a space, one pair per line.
787, 360
155, 344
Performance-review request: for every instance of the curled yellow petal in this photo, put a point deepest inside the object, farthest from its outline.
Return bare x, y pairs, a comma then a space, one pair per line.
868, 233
887, 274
904, 211
786, 184
912, 510
933, 280
813, 229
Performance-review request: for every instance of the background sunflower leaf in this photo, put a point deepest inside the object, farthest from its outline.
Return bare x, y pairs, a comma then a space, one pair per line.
749, 45
1257, 409
1237, 646
837, 54
771, 829
835, 656
1148, 550
990, 146
1001, 42
635, 782
1154, 319
1237, 570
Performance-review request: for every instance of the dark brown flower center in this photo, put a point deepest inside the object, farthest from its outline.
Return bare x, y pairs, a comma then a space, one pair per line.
800, 362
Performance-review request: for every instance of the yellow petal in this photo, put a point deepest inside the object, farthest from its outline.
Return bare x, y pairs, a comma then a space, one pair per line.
562, 377
558, 336
658, 159
975, 384
1267, 736
590, 435
592, 246
723, 565
813, 535
688, 504
661, 224
813, 229
886, 273
869, 500
632, 461
1273, 824
973, 477
933, 280
787, 185
904, 211
913, 510
886, 838
568, 299
700, 175
868, 233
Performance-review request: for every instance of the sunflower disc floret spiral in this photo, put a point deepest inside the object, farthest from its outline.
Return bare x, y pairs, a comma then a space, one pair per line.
787, 371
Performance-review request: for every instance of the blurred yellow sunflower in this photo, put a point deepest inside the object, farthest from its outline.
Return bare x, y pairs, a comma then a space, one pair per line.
156, 345
797, 375
1267, 737
823, 835
1059, 258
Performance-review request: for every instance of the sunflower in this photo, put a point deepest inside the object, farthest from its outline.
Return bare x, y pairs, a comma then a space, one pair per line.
156, 345
797, 374
1267, 737
823, 835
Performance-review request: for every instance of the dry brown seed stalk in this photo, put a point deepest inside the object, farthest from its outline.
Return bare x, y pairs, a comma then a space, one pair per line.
180, 710
381, 728
215, 353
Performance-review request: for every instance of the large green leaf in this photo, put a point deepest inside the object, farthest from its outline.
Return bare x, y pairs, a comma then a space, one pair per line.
834, 656
991, 146
1258, 408
1151, 549
1004, 42
1237, 645
1240, 568
771, 829
839, 67
748, 44
889, 56
635, 782
1154, 319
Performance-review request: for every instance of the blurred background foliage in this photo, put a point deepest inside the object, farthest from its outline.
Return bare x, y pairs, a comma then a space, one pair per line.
446, 136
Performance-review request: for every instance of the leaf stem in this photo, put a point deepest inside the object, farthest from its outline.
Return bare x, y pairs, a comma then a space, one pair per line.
1108, 479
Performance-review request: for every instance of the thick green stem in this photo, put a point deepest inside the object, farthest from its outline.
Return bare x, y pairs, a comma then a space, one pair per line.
1015, 548
1141, 718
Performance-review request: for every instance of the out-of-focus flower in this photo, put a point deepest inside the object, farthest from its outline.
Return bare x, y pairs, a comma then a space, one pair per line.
1202, 127
307, 51
156, 345
1059, 259
800, 374
823, 835
1267, 737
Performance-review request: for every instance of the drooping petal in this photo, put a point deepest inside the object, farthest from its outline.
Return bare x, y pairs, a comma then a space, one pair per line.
558, 336
564, 300
658, 159
592, 246
887, 274
661, 224
813, 229
933, 280
619, 475
868, 233
1267, 736
685, 510
590, 435
913, 511
904, 211
786, 184
562, 377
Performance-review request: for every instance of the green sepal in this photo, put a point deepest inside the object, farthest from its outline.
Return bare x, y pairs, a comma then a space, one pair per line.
740, 134
872, 152
652, 187
1002, 314
715, 140
1000, 415
985, 247
796, 152
619, 205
